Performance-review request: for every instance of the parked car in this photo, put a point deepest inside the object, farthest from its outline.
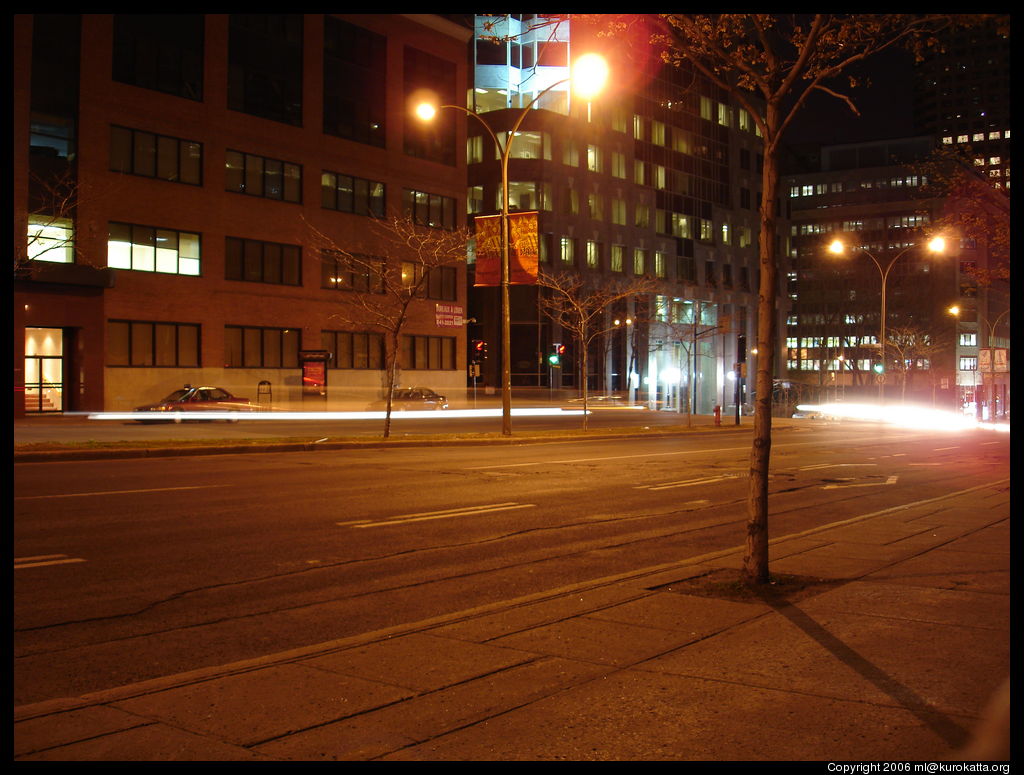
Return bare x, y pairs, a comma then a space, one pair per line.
412, 399
199, 398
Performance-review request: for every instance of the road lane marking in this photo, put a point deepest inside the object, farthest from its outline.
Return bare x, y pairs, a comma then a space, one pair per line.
684, 483
890, 480
117, 492
834, 465
744, 448
424, 516
44, 559
610, 457
943, 449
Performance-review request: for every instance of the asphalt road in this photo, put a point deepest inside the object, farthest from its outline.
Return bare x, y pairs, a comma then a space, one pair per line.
137, 568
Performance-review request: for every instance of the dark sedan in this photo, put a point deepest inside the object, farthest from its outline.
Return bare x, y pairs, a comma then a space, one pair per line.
200, 398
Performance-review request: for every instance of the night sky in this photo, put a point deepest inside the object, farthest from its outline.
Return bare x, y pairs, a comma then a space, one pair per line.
886, 106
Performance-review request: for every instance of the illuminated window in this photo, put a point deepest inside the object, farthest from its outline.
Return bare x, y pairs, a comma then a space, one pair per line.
149, 249
593, 254
51, 239
619, 212
594, 159
657, 133
639, 261
618, 165
617, 254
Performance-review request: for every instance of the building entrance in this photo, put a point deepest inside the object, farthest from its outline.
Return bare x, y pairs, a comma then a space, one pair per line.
44, 370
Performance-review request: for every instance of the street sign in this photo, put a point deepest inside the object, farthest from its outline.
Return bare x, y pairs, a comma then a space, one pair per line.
880, 379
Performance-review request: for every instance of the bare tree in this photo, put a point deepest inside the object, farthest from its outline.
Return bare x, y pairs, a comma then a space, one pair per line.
581, 304
771, 64
388, 272
50, 232
912, 345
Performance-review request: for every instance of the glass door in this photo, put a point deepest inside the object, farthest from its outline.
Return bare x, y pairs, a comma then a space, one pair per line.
44, 370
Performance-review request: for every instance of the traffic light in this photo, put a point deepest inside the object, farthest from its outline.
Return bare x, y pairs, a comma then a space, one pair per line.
557, 351
879, 368
479, 349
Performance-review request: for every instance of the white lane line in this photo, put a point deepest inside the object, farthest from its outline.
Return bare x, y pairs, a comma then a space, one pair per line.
117, 492
744, 448
684, 483
44, 559
890, 480
834, 465
943, 449
610, 457
424, 516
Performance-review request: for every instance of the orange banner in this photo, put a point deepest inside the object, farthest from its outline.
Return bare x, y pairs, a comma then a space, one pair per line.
522, 253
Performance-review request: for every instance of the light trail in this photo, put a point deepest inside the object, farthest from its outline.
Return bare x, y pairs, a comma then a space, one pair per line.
904, 416
264, 416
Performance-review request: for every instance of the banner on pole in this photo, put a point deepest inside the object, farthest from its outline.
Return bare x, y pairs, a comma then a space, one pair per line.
522, 249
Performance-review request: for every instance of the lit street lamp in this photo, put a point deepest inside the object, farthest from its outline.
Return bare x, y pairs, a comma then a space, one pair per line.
588, 75
837, 247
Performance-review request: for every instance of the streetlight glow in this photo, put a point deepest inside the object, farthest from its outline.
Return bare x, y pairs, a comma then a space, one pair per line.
425, 111
589, 74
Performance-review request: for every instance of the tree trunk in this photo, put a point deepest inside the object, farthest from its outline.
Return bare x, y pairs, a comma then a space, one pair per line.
392, 373
755, 561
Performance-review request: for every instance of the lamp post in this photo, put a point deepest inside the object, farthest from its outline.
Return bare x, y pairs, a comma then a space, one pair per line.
590, 72
992, 366
957, 402
837, 247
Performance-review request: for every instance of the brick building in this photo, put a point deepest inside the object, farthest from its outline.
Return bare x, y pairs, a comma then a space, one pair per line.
170, 171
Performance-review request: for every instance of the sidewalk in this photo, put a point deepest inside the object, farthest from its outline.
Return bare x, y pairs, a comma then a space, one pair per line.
894, 656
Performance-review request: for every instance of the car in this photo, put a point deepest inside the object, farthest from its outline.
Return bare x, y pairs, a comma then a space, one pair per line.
198, 398
411, 399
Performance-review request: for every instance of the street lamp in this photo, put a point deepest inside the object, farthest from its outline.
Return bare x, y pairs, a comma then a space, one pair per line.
588, 75
837, 247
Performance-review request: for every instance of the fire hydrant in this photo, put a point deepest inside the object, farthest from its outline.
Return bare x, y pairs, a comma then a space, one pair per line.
718, 415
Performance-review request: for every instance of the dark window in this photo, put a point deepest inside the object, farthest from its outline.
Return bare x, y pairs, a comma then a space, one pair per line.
247, 173
349, 194
354, 81
433, 140
144, 343
160, 51
428, 352
265, 66
262, 262
429, 209
356, 272
156, 156
353, 349
251, 347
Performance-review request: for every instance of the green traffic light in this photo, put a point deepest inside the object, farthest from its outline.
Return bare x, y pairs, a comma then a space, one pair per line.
879, 368
553, 359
